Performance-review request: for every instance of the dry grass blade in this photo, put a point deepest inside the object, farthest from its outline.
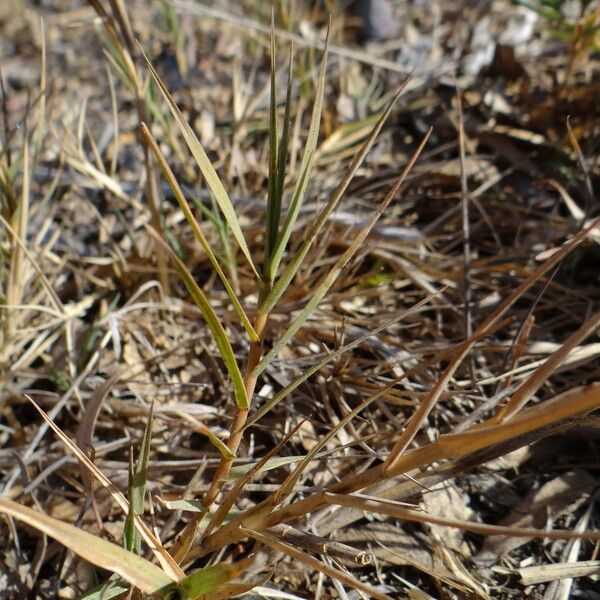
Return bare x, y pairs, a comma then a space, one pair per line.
141, 573
168, 564
392, 509
564, 406
288, 273
120, 33
202, 429
20, 219
335, 271
270, 404
287, 487
316, 564
179, 196
35, 264
229, 500
208, 171
430, 401
541, 374
322, 545
531, 424
213, 322
553, 572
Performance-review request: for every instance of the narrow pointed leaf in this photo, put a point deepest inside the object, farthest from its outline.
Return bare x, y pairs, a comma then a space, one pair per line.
272, 223
219, 335
274, 205
189, 215
282, 155
288, 274
141, 573
305, 169
208, 171
165, 559
204, 581
331, 277
270, 404
137, 489
212, 438
112, 588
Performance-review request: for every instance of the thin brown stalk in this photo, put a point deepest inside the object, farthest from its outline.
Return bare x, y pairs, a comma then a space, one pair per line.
464, 192
531, 424
225, 506
393, 509
316, 564
119, 30
430, 401
236, 431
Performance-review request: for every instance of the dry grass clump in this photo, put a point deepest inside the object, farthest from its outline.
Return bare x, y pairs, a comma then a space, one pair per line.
284, 351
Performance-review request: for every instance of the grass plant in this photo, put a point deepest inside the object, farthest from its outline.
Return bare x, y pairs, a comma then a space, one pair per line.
229, 541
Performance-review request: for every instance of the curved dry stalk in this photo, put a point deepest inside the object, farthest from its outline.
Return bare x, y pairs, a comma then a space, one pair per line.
431, 400
394, 509
119, 30
314, 563
531, 424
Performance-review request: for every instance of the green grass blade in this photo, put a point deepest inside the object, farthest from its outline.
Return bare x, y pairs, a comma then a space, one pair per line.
202, 429
270, 404
273, 211
130, 539
288, 274
112, 588
277, 174
208, 171
178, 193
334, 273
204, 581
284, 141
219, 335
137, 489
138, 571
305, 170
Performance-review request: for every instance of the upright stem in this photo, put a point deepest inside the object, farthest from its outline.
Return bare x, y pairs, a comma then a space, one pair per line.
241, 415
182, 546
